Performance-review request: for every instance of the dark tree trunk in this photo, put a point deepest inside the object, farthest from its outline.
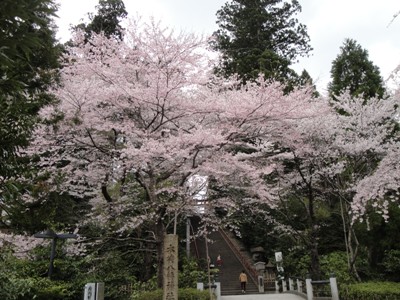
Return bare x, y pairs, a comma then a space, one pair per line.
315, 268
160, 232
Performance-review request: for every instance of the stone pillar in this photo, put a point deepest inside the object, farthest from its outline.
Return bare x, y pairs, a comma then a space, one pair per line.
260, 283
299, 286
309, 289
291, 284
218, 290
334, 288
170, 271
260, 268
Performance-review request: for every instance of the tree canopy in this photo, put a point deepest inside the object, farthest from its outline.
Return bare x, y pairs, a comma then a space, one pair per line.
28, 61
261, 36
352, 71
107, 19
143, 113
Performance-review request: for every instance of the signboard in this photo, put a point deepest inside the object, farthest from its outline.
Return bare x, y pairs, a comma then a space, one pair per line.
278, 257
170, 271
94, 291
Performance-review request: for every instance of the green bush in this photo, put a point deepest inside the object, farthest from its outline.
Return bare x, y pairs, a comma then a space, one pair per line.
183, 294
296, 263
371, 291
46, 289
12, 285
193, 294
190, 273
391, 264
336, 263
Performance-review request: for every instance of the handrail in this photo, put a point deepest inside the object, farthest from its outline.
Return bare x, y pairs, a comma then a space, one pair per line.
332, 283
249, 268
320, 281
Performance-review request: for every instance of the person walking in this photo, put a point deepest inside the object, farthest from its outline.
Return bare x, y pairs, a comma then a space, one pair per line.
243, 281
219, 260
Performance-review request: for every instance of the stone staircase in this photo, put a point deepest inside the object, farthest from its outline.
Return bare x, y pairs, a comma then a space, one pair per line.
232, 266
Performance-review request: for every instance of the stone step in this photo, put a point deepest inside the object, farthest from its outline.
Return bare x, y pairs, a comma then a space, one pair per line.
231, 267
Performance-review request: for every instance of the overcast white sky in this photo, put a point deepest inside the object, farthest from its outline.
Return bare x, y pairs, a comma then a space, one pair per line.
329, 22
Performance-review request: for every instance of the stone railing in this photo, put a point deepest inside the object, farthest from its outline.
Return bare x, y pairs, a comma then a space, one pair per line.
311, 289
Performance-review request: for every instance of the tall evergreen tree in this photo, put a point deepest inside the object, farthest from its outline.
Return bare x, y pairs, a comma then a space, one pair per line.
107, 19
28, 58
354, 72
260, 36
29, 55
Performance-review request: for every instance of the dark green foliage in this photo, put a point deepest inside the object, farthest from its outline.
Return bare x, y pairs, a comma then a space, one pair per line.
44, 210
260, 36
114, 270
305, 79
336, 263
28, 62
60, 212
23, 279
296, 262
12, 284
189, 273
28, 57
256, 231
115, 257
377, 237
27, 277
370, 290
391, 264
353, 71
183, 294
45, 289
107, 18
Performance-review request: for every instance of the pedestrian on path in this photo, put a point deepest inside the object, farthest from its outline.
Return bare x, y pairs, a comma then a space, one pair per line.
243, 281
219, 260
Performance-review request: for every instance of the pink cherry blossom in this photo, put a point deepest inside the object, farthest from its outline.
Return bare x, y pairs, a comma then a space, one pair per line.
148, 112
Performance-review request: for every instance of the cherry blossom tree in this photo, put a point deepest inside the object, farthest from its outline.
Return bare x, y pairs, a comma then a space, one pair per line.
351, 156
138, 118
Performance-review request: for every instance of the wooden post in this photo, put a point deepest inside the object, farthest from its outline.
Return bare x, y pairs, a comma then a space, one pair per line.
170, 284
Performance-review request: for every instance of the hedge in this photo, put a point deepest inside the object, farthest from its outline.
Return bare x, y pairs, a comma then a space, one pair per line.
371, 291
183, 294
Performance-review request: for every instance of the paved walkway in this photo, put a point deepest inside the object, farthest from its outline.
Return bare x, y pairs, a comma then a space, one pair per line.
263, 297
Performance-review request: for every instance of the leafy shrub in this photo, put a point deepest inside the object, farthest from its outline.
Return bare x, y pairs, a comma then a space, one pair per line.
391, 264
15, 288
190, 273
192, 294
139, 287
46, 289
296, 263
336, 263
371, 291
183, 294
